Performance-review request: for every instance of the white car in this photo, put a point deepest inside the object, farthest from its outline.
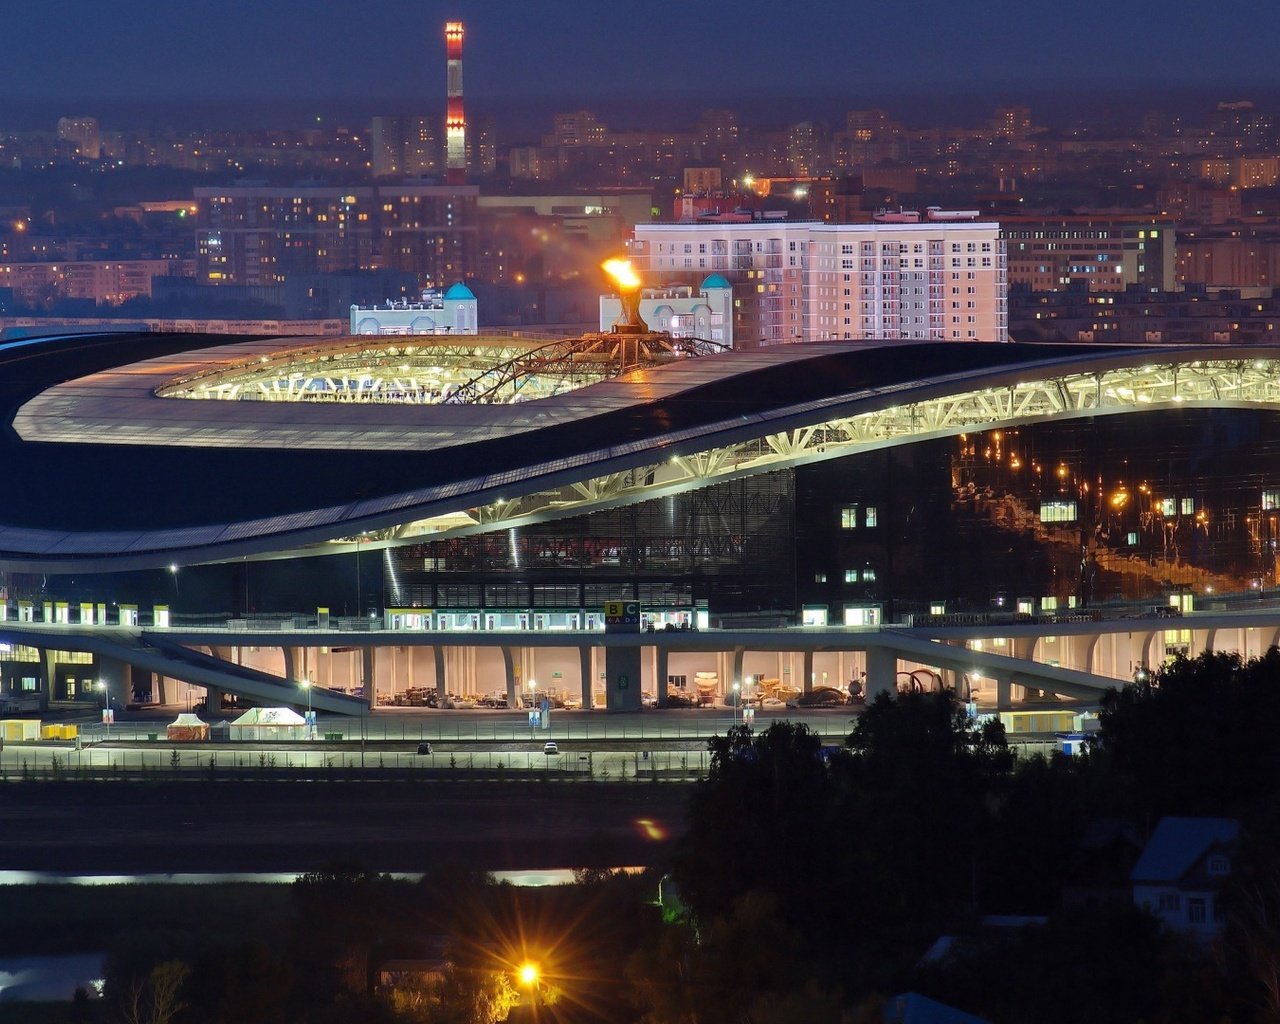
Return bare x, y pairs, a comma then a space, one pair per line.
550, 748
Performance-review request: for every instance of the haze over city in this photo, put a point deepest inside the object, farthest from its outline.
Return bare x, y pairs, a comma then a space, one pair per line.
675, 513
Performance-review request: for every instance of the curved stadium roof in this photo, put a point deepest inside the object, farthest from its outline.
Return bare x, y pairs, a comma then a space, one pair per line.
103, 474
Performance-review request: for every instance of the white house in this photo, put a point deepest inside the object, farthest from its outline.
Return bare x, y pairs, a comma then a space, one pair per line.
453, 312
1181, 872
680, 311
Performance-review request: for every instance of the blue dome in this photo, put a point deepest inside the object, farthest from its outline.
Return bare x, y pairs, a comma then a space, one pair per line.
715, 281
459, 291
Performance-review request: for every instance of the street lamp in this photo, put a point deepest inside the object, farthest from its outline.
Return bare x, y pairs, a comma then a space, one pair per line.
533, 692
529, 974
737, 700
106, 706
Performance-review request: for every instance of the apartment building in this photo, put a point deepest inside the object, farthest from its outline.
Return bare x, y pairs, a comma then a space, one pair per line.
811, 281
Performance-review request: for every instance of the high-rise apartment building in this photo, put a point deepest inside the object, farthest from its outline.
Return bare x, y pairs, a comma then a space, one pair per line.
810, 281
404, 147
1106, 253
260, 235
83, 134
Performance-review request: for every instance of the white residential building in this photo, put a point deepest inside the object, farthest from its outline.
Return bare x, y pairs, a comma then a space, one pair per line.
680, 311
450, 312
810, 281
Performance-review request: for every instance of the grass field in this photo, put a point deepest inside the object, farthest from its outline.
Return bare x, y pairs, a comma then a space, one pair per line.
41, 920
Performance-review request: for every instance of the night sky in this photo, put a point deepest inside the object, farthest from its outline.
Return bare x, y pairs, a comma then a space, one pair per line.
282, 49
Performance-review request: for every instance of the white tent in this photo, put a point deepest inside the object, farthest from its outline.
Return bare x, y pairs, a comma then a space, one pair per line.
187, 727
269, 724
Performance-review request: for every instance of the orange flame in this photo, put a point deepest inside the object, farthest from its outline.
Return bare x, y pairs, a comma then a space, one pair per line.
620, 270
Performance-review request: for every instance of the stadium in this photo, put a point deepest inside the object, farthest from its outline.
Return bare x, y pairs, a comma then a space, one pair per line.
490, 484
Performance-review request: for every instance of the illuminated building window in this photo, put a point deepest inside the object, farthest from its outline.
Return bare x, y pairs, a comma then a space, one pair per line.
1270, 501
871, 515
849, 517
1058, 512
851, 575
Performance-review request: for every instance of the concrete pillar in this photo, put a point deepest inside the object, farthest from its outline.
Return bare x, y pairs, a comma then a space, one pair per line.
47, 664
882, 672
587, 672
622, 675
806, 673
1091, 653
509, 670
1141, 655
660, 672
290, 663
367, 675
1210, 641
1004, 692
738, 653
441, 687
213, 702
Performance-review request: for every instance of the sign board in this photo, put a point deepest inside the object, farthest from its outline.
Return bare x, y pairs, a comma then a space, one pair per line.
622, 616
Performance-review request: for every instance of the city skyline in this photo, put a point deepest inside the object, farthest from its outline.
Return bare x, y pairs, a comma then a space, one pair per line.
235, 50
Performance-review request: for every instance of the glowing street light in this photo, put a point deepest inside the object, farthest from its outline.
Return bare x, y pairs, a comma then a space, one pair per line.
529, 974
737, 700
106, 705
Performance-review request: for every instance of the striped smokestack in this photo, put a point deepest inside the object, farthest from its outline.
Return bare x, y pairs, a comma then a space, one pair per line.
455, 123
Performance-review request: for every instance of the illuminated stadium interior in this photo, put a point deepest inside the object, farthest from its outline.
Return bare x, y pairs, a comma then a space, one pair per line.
484, 369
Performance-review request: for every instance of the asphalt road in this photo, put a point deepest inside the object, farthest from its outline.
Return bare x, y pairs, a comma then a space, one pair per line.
186, 826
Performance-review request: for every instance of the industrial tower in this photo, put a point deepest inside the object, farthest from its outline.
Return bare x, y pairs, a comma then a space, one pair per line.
455, 123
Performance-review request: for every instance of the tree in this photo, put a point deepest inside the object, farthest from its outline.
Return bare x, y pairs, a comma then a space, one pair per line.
1199, 737
763, 819
157, 998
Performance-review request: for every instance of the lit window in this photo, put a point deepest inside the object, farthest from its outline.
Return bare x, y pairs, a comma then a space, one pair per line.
851, 575
849, 517
871, 515
1058, 512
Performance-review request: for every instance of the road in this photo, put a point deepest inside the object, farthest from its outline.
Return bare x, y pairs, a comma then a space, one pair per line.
169, 826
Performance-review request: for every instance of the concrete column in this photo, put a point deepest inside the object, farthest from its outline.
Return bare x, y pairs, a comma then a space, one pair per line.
882, 672
738, 653
806, 673
587, 672
1142, 654
159, 691
1091, 653
622, 675
367, 675
213, 702
47, 664
1210, 641
290, 663
509, 670
1004, 692
441, 687
660, 672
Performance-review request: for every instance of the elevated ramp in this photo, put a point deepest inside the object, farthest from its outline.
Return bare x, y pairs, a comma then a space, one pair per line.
155, 653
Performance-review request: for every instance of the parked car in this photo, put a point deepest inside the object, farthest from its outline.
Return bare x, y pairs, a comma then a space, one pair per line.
424, 748
550, 748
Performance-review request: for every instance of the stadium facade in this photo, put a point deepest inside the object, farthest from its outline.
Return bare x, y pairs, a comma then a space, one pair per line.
494, 483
